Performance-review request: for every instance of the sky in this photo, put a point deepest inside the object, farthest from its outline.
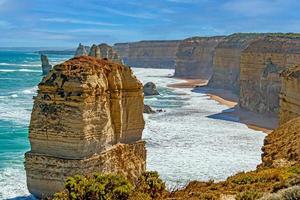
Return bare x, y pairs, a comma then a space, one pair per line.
65, 23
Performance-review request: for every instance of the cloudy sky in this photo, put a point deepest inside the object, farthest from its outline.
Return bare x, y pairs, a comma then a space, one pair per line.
65, 23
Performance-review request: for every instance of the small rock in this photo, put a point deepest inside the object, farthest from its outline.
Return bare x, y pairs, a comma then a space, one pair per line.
150, 89
148, 109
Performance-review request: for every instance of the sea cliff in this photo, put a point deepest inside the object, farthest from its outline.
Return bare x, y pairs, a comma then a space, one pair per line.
261, 64
194, 57
226, 63
148, 54
87, 117
290, 95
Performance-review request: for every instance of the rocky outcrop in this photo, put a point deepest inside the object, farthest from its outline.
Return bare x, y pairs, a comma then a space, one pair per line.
226, 64
281, 147
194, 57
150, 89
148, 54
105, 51
46, 67
148, 109
87, 117
261, 63
290, 95
82, 50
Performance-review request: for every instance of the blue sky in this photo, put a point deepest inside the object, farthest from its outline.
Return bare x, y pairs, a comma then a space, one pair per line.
67, 22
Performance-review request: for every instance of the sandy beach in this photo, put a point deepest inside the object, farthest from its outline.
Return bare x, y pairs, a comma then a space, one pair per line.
255, 121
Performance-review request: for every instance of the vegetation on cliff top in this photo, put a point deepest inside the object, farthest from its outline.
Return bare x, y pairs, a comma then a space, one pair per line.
251, 185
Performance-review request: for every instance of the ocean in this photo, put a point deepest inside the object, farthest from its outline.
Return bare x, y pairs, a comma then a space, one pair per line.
185, 142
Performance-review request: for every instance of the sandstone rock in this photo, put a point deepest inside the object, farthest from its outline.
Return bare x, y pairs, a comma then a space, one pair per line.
87, 117
46, 67
150, 89
226, 64
148, 54
148, 109
194, 57
261, 63
104, 51
290, 95
82, 50
281, 147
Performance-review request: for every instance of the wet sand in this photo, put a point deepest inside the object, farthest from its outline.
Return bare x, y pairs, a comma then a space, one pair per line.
255, 121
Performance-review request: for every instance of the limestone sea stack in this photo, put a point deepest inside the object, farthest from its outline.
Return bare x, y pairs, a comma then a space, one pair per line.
226, 64
104, 51
261, 64
194, 57
46, 67
148, 54
82, 50
87, 117
290, 95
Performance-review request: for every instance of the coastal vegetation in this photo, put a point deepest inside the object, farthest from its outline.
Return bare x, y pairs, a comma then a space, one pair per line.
266, 183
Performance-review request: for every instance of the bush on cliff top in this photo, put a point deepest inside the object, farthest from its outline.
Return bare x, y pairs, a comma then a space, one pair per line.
112, 187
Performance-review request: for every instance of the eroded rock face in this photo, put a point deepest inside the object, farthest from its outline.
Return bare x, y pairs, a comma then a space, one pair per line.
148, 54
281, 147
261, 64
150, 89
194, 57
46, 67
226, 64
290, 94
87, 117
82, 50
104, 51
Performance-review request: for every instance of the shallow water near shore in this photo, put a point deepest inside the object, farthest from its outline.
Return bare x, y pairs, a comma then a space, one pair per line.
183, 143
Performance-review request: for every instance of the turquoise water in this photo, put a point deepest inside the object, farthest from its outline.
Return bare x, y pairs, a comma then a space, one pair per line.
20, 72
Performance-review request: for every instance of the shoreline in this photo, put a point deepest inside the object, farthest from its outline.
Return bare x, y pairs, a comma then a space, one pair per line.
252, 120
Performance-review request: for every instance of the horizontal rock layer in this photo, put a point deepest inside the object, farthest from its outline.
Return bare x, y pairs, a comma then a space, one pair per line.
84, 107
148, 54
194, 57
226, 64
261, 63
46, 174
290, 95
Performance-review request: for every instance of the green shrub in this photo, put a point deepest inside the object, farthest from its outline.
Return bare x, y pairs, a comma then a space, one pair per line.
248, 195
150, 183
96, 187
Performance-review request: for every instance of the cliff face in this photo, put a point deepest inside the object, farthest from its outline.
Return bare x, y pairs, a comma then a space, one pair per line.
290, 95
46, 67
87, 117
226, 64
148, 54
194, 57
281, 147
261, 63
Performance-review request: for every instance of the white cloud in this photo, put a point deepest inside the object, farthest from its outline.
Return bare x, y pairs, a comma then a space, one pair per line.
143, 15
75, 21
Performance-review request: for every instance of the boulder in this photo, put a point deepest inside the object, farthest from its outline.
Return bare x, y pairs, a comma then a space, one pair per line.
148, 109
150, 89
